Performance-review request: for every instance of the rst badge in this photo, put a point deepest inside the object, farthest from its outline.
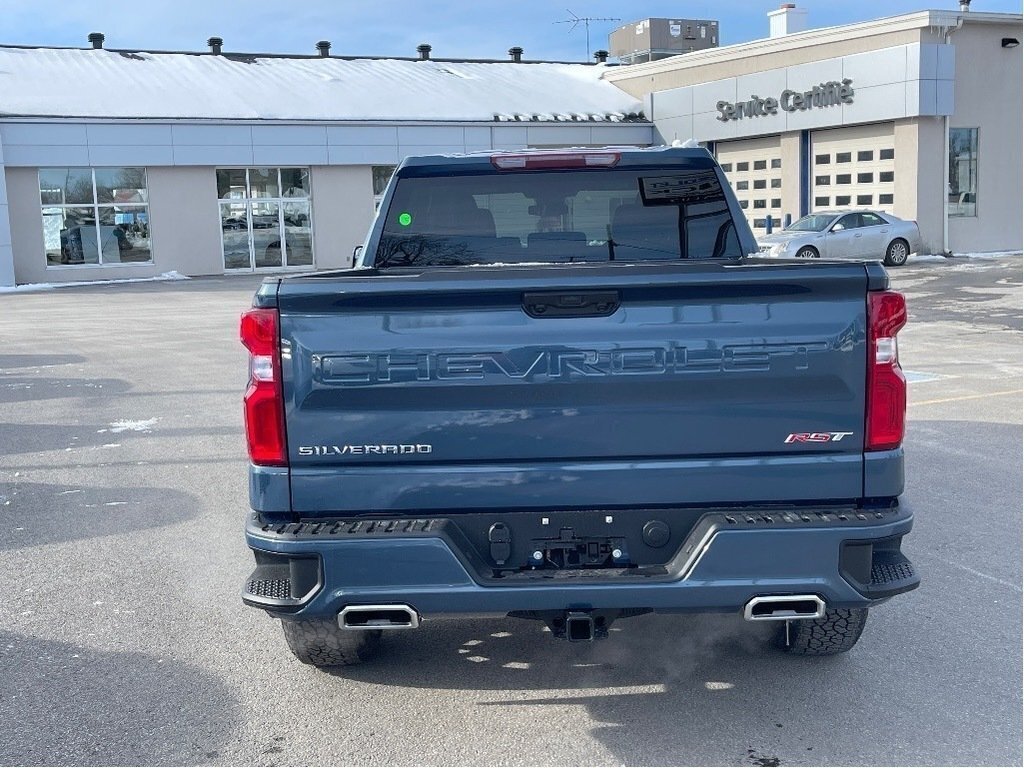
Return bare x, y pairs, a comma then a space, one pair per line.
817, 437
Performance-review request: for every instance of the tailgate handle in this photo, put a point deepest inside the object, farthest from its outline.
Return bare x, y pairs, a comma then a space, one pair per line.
571, 303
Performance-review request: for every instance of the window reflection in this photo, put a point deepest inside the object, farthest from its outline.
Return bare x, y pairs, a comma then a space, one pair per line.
95, 215
265, 217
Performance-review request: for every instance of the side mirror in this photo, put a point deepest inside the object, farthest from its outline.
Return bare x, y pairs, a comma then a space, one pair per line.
356, 252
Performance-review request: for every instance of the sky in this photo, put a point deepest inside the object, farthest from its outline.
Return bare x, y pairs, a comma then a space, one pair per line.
455, 28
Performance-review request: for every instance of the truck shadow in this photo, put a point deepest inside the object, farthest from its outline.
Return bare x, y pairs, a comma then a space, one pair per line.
37, 514
661, 690
62, 704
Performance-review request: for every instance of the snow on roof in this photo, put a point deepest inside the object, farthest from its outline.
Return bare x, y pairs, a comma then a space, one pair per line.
54, 82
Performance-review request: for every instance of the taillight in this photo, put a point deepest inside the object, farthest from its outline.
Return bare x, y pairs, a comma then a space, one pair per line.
887, 387
264, 399
541, 160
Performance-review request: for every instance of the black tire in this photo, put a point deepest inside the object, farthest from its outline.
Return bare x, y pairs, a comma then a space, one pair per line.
835, 632
897, 253
322, 643
808, 252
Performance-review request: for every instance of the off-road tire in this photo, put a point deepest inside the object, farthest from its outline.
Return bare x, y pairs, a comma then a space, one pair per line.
897, 253
808, 252
322, 643
835, 632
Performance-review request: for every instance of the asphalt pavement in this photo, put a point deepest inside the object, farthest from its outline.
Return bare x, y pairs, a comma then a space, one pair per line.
123, 639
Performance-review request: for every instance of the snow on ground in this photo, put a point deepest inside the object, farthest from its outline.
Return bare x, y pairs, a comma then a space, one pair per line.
128, 425
28, 287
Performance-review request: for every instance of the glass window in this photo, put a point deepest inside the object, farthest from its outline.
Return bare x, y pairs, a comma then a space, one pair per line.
742, 166
823, 201
849, 221
871, 220
885, 176
231, 183
294, 182
759, 223
843, 178
777, 162
557, 216
760, 183
381, 176
865, 199
744, 204
822, 159
760, 165
822, 181
963, 172
760, 204
886, 154
776, 183
742, 185
727, 167
844, 157
66, 186
95, 215
776, 202
842, 200
885, 199
265, 217
866, 155
263, 182
865, 178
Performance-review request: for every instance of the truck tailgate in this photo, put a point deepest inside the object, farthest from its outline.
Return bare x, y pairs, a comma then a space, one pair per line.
574, 387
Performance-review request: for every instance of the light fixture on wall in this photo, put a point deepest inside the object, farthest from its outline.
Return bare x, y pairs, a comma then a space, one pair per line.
1010, 42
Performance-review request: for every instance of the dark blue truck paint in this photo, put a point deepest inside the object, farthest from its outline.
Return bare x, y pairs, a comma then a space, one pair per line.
428, 408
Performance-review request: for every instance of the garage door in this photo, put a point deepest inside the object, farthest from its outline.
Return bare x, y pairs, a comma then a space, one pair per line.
754, 168
853, 168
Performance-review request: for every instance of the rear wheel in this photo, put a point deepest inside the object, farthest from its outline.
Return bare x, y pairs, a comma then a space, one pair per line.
896, 254
807, 252
835, 632
322, 643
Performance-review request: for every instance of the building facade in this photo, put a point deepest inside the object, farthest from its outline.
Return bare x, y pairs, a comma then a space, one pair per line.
910, 115
223, 163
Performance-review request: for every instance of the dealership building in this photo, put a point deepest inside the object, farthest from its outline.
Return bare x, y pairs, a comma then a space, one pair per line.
123, 163
916, 115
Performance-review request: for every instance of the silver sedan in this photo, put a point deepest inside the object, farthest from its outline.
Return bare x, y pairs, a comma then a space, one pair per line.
845, 234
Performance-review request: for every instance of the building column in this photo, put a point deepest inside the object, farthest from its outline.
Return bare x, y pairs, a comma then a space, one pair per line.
6, 250
794, 193
920, 196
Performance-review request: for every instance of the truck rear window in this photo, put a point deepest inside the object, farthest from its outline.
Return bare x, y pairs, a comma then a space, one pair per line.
557, 217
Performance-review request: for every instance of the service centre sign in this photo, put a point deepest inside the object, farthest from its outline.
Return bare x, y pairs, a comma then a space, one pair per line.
830, 94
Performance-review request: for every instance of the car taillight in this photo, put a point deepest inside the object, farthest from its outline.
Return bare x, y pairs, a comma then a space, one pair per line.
887, 387
540, 160
264, 399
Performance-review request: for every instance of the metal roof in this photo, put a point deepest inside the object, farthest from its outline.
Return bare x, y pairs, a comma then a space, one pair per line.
119, 84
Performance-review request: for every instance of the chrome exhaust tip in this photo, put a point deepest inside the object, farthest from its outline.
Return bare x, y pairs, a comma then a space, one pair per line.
378, 617
784, 607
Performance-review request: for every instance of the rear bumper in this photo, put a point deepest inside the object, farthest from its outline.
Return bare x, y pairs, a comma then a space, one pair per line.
848, 557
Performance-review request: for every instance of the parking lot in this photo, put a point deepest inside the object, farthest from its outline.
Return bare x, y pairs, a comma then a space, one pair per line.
123, 640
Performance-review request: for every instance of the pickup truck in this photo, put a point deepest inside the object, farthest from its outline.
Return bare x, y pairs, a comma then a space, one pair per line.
561, 386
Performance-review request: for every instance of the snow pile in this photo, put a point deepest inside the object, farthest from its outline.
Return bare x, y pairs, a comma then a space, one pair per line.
77, 83
27, 287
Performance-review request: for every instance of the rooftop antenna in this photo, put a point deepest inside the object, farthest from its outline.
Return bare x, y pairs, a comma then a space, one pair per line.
575, 21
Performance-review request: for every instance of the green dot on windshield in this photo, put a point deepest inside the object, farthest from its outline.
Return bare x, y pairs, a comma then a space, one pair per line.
405, 219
